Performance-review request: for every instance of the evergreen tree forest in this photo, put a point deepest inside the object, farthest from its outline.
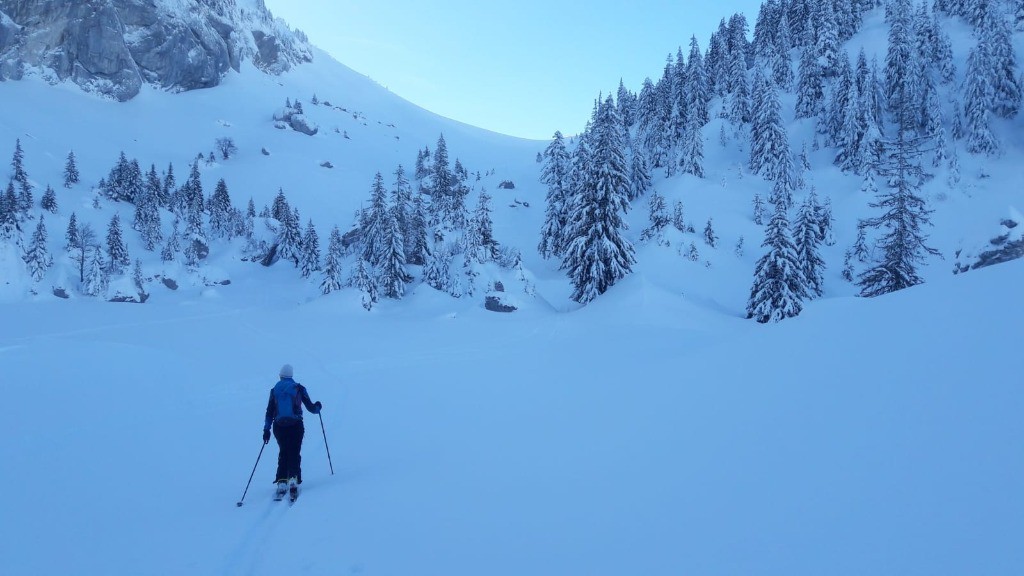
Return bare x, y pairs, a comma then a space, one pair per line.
891, 118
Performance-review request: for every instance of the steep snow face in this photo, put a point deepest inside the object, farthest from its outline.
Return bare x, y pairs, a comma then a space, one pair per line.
115, 47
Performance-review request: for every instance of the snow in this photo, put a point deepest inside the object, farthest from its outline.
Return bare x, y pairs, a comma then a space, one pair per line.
653, 431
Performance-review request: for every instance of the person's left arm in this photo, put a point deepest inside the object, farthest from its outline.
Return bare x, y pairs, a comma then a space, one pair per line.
313, 407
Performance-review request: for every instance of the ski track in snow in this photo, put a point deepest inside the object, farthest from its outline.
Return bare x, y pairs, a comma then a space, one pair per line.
247, 554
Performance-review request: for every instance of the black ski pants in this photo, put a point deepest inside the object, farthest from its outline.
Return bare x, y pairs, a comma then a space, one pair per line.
289, 433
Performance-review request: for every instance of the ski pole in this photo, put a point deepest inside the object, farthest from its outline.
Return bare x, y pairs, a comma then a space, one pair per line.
325, 443
251, 475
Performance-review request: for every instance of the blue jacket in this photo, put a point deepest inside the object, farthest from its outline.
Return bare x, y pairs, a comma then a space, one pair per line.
286, 400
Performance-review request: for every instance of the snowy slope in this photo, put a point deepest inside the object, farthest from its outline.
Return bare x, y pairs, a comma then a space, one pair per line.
466, 444
654, 431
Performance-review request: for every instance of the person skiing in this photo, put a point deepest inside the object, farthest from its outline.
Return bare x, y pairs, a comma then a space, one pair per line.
284, 414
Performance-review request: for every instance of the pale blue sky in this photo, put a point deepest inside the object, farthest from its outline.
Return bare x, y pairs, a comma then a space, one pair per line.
525, 68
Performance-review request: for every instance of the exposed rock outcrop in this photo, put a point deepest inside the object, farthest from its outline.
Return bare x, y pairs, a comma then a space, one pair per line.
113, 47
1008, 245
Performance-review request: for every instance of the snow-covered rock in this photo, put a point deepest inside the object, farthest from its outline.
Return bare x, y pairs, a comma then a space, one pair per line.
115, 46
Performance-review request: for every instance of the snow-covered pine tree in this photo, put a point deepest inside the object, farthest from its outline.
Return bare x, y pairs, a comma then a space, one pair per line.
482, 228
71, 233
97, 277
769, 143
114, 184
639, 176
626, 102
71, 176
309, 258
289, 241
365, 280
37, 257
117, 250
843, 89
759, 210
147, 211
442, 186
806, 241
942, 51
810, 95
953, 174
901, 62
9, 227
333, 278
677, 110
826, 222
597, 253
280, 210
436, 272
458, 208
392, 275
995, 32
693, 255
666, 104
18, 173
375, 222
782, 187
649, 131
49, 200
978, 102
423, 173
24, 203
859, 129
554, 174
173, 244
739, 96
137, 279
798, 12
904, 212
678, 222
167, 190
133, 181
828, 47
765, 30
710, 238
219, 207
658, 215
401, 205
778, 289
716, 62
151, 226
193, 203
691, 152
696, 92
781, 62
416, 243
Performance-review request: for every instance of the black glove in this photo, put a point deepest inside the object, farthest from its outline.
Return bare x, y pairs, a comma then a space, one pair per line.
319, 406
266, 436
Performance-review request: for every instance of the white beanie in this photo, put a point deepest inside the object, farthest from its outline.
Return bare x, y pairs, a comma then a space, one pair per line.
286, 371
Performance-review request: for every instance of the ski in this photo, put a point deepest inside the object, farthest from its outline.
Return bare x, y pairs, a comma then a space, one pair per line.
279, 493
293, 494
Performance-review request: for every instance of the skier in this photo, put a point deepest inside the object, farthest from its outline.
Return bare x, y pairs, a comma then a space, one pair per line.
284, 413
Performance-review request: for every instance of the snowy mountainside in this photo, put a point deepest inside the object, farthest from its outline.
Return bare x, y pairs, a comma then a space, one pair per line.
363, 129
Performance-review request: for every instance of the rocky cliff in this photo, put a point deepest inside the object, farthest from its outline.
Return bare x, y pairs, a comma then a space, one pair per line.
112, 47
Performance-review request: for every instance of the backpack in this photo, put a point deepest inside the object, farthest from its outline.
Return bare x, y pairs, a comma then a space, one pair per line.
289, 401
